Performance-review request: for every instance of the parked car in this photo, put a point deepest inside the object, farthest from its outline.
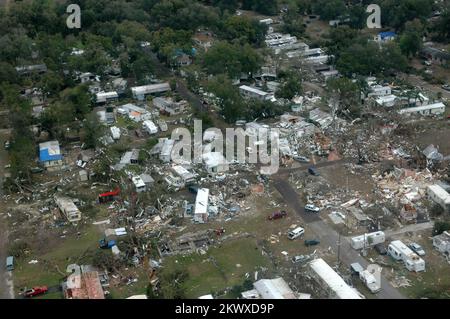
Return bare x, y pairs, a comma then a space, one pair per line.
446, 87
312, 208
300, 259
301, 159
277, 215
7, 145
313, 171
35, 291
9, 263
293, 234
427, 63
417, 249
311, 242
104, 244
36, 170
381, 249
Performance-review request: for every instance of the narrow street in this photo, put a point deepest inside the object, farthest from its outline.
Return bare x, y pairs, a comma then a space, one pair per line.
410, 228
418, 82
327, 235
6, 279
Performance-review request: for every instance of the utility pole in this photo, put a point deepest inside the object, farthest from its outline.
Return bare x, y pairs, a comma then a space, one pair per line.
339, 250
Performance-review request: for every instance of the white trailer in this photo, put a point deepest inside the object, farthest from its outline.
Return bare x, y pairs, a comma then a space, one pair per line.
399, 251
368, 240
370, 281
150, 127
115, 132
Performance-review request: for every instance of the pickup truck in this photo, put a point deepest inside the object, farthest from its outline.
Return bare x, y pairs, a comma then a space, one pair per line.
35, 291
312, 242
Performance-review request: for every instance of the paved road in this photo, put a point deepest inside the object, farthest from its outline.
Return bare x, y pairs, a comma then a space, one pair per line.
6, 279
410, 228
292, 199
330, 238
304, 166
327, 235
185, 93
417, 81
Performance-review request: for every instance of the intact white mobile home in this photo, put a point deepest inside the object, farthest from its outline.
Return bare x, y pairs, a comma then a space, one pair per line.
440, 196
140, 92
430, 109
399, 251
254, 93
329, 280
368, 240
150, 127
201, 206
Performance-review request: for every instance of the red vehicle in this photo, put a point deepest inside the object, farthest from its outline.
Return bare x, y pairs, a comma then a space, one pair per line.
220, 231
108, 196
277, 215
36, 291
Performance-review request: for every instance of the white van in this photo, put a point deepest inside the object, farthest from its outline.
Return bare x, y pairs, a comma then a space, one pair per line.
293, 234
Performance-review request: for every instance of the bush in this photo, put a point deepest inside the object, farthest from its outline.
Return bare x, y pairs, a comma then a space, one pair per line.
103, 259
436, 210
440, 227
18, 248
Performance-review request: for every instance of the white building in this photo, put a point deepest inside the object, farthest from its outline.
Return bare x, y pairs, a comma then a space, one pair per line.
134, 112
140, 92
50, 155
201, 206
438, 195
215, 162
186, 176
442, 243
278, 40
68, 208
270, 289
115, 132
254, 93
266, 21
430, 109
103, 97
168, 106
150, 127
399, 251
166, 150
139, 184
331, 281
368, 240
386, 100
320, 59
379, 90
87, 77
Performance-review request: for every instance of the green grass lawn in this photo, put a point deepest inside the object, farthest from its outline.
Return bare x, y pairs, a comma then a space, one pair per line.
435, 281
125, 291
67, 252
232, 261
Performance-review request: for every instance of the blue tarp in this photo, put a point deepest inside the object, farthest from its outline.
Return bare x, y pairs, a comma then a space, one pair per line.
44, 156
387, 34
